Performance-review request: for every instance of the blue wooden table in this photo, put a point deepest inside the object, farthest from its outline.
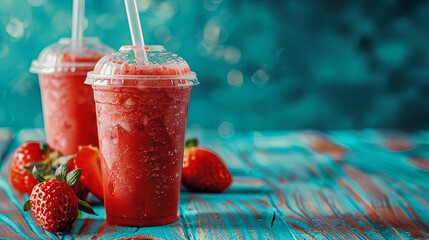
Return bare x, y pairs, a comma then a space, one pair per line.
287, 185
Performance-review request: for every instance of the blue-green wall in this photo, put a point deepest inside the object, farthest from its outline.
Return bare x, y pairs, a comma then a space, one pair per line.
262, 64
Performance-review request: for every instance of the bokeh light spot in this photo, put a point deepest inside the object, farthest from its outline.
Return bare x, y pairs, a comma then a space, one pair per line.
260, 77
211, 33
232, 55
226, 130
166, 10
235, 78
143, 5
15, 28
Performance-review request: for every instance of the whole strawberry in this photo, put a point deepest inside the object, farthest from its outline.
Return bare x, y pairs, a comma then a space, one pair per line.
30, 154
53, 202
203, 170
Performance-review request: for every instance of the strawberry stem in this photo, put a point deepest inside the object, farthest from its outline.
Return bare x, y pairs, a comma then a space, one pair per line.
42, 167
193, 142
44, 147
52, 159
61, 160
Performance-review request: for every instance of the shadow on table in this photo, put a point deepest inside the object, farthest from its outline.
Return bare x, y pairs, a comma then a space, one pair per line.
236, 225
99, 228
86, 227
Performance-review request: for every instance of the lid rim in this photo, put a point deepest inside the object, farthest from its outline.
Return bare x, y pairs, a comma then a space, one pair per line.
38, 65
40, 68
51, 58
98, 80
190, 76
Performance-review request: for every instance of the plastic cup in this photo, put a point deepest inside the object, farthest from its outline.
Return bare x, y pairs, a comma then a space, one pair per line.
141, 116
68, 104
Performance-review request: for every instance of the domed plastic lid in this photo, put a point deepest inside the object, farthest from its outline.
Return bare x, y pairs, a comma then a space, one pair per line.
58, 57
126, 68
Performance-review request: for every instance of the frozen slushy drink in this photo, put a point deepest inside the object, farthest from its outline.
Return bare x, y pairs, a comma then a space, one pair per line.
68, 105
141, 116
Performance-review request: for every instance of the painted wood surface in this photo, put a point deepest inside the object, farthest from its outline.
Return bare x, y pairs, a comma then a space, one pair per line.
287, 185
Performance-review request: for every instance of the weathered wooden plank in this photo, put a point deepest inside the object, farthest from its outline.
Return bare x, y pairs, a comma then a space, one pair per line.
325, 201
231, 216
385, 204
287, 185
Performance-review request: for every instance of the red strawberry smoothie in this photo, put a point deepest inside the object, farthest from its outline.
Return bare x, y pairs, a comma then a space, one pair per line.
69, 110
68, 104
142, 127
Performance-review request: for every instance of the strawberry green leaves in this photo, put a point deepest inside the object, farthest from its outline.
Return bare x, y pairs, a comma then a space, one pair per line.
85, 207
26, 206
37, 175
61, 173
73, 177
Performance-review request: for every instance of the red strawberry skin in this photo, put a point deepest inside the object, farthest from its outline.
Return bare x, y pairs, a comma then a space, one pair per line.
204, 171
25, 154
54, 205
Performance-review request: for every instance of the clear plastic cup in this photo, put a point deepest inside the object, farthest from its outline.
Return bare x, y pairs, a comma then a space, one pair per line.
68, 104
141, 116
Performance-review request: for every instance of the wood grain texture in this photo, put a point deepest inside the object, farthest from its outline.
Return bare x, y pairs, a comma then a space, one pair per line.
287, 185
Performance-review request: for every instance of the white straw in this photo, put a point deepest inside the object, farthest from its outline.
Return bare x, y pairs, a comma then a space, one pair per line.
135, 27
77, 24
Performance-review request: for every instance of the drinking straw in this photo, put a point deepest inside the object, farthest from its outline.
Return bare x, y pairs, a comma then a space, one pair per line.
77, 24
135, 28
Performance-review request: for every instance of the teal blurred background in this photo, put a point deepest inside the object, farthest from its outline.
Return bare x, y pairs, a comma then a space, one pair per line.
262, 64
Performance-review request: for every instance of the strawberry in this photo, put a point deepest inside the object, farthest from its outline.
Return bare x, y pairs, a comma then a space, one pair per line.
53, 202
203, 170
88, 160
30, 154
